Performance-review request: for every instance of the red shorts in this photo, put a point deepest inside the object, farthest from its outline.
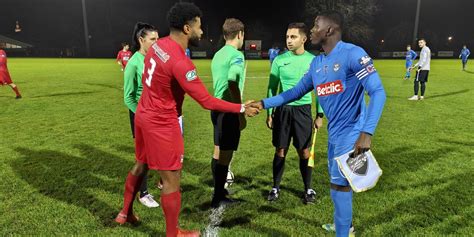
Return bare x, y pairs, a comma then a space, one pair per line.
5, 78
159, 146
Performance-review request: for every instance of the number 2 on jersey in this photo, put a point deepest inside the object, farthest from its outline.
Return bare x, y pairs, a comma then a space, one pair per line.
150, 72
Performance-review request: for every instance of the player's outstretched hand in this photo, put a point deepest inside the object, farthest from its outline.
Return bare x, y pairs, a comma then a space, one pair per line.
248, 102
363, 143
256, 104
250, 109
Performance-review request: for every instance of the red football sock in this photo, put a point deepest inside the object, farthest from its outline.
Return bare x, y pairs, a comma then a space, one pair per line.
15, 89
171, 205
132, 185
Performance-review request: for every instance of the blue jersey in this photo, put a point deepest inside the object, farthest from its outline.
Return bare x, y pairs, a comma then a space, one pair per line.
464, 54
339, 80
188, 53
273, 53
411, 55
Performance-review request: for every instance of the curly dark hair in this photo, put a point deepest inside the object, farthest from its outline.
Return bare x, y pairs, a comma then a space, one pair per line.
182, 13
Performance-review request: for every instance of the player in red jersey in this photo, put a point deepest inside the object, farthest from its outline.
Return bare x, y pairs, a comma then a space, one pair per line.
168, 76
124, 55
5, 78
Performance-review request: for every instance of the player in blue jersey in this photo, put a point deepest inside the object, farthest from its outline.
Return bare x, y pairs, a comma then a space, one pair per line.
340, 77
273, 53
464, 56
188, 53
411, 55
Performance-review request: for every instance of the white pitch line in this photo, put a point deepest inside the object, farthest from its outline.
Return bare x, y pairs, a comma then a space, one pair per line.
215, 219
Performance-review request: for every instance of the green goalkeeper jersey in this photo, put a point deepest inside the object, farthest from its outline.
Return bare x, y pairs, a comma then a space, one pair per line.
132, 81
227, 65
287, 70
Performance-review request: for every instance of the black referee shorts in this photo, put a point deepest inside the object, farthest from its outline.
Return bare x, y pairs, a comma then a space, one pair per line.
292, 122
422, 75
226, 130
132, 122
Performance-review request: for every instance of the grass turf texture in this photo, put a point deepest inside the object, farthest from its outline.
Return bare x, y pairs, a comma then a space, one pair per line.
66, 149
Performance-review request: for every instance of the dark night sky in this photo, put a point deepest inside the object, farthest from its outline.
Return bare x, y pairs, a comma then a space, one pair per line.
58, 23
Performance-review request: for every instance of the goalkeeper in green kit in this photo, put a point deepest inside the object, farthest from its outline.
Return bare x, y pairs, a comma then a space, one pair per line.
293, 120
144, 35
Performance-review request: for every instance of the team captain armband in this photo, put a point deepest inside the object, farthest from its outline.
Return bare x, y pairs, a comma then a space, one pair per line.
365, 71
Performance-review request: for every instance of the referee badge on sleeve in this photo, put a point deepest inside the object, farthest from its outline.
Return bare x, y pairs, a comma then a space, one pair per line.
362, 172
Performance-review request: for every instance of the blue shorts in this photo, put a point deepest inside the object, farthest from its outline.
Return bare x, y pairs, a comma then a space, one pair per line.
408, 64
335, 150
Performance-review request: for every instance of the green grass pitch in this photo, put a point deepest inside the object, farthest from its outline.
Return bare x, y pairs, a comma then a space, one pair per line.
66, 148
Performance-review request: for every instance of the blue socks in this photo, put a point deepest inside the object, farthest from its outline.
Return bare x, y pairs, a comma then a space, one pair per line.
407, 75
342, 212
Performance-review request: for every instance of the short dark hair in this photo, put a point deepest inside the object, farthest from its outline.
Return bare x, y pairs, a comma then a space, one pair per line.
298, 25
141, 30
334, 16
420, 39
409, 45
232, 27
124, 44
182, 13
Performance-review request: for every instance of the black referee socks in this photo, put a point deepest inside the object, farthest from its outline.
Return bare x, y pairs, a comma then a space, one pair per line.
213, 168
278, 167
220, 179
306, 173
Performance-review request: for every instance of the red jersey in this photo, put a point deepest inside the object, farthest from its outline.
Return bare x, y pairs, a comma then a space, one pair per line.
168, 75
123, 57
3, 61
4, 74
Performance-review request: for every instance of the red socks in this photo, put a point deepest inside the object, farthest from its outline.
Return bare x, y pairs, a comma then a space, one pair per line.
15, 89
171, 205
132, 185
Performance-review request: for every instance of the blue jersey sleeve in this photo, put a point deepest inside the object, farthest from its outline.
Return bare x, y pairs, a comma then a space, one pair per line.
413, 55
304, 86
363, 65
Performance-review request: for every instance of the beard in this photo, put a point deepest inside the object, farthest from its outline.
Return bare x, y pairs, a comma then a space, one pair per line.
318, 43
194, 40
